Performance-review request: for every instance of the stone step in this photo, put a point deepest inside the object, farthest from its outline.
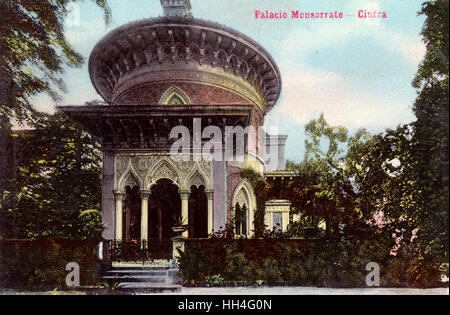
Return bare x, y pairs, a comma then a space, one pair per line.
148, 287
141, 274
157, 263
137, 269
150, 272
136, 278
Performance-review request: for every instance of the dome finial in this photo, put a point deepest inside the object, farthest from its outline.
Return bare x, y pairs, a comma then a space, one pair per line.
176, 8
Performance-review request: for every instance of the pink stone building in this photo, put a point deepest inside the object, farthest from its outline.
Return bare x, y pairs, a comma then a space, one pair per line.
159, 73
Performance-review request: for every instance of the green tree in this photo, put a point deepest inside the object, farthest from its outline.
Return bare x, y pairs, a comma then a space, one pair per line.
380, 167
34, 52
403, 173
332, 196
430, 144
56, 188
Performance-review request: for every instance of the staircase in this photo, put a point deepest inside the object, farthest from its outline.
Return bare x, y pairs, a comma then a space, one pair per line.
149, 277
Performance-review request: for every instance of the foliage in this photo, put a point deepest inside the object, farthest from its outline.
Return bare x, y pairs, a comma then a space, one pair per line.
214, 280
237, 267
308, 227
401, 176
319, 130
322, 188
322, 263
33, 53
55, 177
40, 264
250, 261
430, 144
191, 263
408, 269
91, 224
262, 191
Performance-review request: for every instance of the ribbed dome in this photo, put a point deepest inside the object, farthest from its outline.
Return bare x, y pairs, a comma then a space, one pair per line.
183, 49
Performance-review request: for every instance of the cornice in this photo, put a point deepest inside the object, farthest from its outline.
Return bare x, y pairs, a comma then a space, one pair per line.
160, 42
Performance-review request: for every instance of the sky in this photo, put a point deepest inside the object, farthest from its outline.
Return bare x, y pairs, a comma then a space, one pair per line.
357, 72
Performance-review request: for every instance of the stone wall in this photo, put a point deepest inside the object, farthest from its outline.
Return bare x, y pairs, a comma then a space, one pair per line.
198, 94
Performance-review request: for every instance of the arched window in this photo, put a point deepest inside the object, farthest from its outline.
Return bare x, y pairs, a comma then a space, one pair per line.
240, 219
243, 208
174, 96
198, 212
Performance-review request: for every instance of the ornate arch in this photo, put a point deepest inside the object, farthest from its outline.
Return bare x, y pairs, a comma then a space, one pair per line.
174, 96
129, 178
164, 168
197, 177
244, 194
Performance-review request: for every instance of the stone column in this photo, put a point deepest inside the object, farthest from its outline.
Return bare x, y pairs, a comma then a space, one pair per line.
144, 215
219, 179
285, 219
210, 195
119, 196
184, 195
268, 219
108, 202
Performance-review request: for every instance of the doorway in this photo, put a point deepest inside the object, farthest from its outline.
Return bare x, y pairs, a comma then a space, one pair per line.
164, 207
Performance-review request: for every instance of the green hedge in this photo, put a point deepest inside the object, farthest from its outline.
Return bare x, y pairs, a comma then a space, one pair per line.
321, 263
40, 264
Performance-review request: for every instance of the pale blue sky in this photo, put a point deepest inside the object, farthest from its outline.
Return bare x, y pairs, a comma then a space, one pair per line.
357, 72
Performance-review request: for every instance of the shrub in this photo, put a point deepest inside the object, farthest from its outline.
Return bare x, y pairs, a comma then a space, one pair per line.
91, 224
273, 273
40, 264
408, 269
191, 263
293, 266
214, 281
238, 267
322, 263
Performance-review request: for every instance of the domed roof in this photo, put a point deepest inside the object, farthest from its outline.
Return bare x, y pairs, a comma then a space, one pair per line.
161, 48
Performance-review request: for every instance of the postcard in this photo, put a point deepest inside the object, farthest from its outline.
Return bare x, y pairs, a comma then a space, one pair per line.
224, 148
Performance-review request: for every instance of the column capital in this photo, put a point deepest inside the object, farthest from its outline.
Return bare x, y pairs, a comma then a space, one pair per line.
118, 194
184, 194
209, 193
145, 193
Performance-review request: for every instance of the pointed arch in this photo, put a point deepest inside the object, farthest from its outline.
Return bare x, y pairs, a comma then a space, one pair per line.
197, 177
164, 168
129, 178
244, 195
174, 96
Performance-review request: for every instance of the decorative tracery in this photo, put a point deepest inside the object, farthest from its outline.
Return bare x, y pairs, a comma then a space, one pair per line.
243, 206
142, 46
174, 96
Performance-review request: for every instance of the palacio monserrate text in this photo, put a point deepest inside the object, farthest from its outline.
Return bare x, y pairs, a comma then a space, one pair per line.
301, 15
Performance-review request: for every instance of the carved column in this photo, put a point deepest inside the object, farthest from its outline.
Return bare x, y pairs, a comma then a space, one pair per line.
108, 202
210, 195
144, 214
119, 197
184, 195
